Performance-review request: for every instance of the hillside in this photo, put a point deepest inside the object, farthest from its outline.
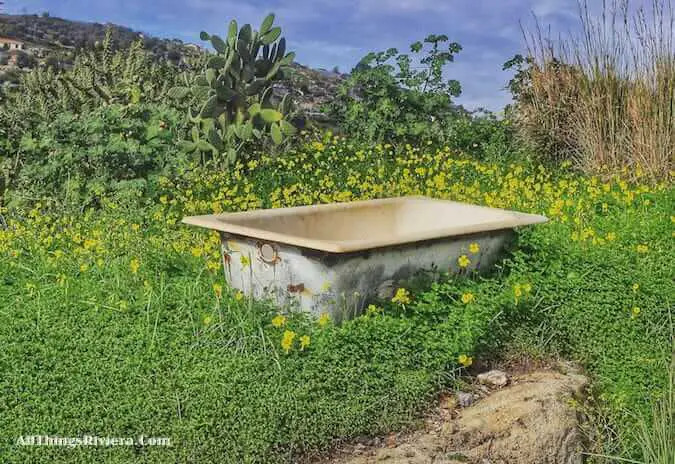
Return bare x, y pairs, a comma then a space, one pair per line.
62, 37
46, 31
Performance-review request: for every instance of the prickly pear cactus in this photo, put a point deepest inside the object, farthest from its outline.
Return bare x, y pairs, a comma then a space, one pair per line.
234, 93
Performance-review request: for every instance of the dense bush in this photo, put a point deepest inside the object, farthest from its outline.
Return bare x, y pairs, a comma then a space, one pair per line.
78, 158
381, 102
102, 75
410, 102
113, 98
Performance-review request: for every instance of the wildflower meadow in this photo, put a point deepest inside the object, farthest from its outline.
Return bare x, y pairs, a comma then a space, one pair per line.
116, 319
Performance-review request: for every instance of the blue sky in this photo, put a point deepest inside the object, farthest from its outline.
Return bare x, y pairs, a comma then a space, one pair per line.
325, 33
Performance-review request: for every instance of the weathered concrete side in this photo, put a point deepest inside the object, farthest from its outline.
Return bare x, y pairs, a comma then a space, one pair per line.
342, 283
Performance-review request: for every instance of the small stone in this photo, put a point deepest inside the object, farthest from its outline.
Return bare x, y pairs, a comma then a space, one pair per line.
494, 379
465, 399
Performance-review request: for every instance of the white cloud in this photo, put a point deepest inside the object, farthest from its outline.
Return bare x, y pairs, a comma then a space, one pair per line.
546, 9
328, 48
367, 7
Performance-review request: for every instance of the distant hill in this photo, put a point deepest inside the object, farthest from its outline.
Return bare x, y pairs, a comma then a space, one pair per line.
62, 37
49, 32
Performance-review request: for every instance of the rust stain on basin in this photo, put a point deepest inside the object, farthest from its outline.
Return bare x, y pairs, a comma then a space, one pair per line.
334, 257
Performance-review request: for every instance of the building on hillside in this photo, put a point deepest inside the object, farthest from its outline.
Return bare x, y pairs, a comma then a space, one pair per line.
11, 44
13, 59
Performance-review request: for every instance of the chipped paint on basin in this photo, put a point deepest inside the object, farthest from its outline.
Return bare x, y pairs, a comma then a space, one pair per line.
335, 257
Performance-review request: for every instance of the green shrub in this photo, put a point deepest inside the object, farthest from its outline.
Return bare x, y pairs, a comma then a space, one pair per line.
78, 158
410, 102
379, 102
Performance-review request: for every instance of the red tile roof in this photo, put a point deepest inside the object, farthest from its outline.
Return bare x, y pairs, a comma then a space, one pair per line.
10, 41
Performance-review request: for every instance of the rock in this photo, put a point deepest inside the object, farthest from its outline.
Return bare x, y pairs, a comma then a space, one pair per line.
465, 399
528, 422
494, 379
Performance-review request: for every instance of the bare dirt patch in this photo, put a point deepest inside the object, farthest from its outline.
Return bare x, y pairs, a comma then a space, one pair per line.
531, 419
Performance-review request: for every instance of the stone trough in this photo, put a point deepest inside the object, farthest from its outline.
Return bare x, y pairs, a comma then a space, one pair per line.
336, 257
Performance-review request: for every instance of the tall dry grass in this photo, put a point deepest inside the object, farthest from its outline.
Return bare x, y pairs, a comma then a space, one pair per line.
604, 97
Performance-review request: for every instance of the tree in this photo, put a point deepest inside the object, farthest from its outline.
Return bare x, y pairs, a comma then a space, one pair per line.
24, 60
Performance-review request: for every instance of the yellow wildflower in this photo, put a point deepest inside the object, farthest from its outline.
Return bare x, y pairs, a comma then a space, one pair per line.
84, 267
468, 298
239, 296
635, 287
304, 342
463, 261
474, 248
402, 296
642, 248
134, 265
635, 312
218, 289
611, 236
465, 360
279, 321
372, 310
245, 261
324, 319
287, 340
